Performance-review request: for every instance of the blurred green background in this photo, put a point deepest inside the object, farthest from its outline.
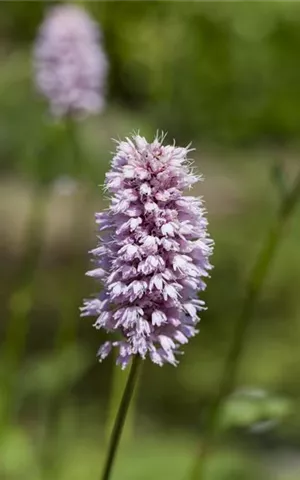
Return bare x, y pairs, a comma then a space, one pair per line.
224, 76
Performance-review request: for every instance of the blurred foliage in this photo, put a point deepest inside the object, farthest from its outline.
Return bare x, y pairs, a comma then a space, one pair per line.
40, 149
50, 375
227, 68
256, 410
46, 444
147, 459
223, 74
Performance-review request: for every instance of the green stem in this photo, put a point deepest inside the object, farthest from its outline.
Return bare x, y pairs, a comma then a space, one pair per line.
253, 290
20, 304
67, 331
68, 327
120, 418
119, 379
75, 146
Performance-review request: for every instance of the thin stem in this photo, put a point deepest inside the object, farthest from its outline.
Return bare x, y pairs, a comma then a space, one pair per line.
67, 332
253, 290
68, 327
119, 379
75, 146
21, 302
120, 418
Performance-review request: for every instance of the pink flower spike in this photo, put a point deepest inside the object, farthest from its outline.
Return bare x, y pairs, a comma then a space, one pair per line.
153, 255
69, 62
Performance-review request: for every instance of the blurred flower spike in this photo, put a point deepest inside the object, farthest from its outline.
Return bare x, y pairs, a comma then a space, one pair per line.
153, 253
70, 66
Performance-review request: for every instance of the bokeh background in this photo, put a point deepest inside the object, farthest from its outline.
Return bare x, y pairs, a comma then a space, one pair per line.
224, 76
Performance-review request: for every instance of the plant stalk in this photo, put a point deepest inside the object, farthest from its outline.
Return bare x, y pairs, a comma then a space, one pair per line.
67, 332
68, 327
120, 418
119, 379
253, 289
72, 133
20, 304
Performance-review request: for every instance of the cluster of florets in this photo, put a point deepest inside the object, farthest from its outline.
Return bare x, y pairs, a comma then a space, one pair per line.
153, 253
69, 62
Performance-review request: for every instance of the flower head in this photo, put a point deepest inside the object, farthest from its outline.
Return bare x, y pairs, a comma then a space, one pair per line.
153, 253
69, 62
